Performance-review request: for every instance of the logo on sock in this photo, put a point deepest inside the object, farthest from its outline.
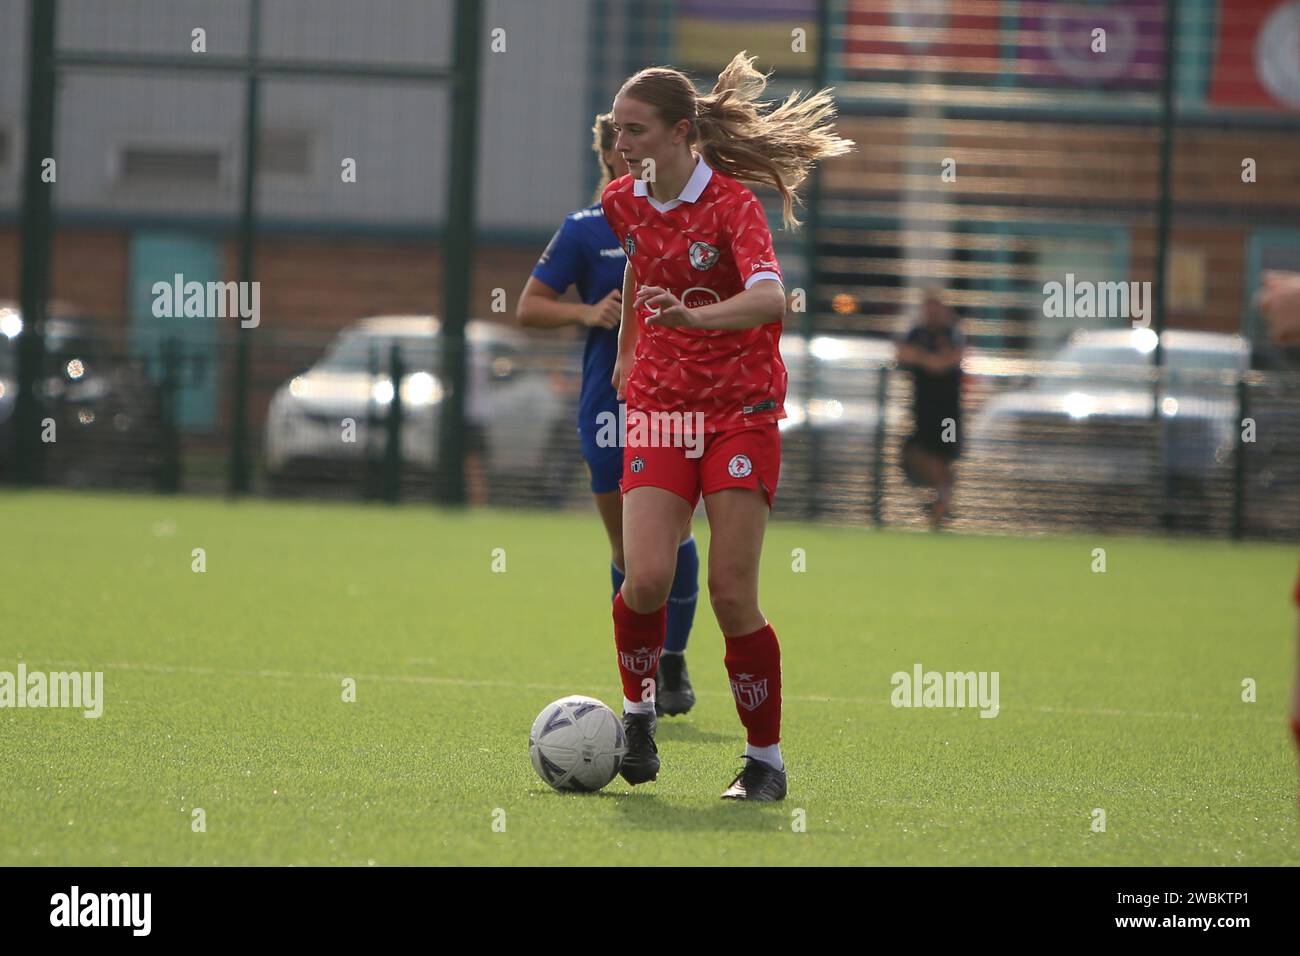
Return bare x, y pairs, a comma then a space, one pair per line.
641, 661
749, 693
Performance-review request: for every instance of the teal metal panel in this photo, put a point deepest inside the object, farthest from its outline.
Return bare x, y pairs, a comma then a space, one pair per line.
160, 257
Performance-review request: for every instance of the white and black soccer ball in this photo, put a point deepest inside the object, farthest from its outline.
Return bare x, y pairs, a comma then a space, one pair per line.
577, 743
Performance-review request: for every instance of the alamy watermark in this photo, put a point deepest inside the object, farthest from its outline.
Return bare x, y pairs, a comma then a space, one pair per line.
75, 908
208, 300
638, 429
83, 690
1085, 299
946, 689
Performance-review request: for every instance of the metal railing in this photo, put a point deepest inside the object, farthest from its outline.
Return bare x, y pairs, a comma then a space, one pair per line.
1045, 445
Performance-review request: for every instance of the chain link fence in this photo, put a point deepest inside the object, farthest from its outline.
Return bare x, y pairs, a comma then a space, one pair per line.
1067, 444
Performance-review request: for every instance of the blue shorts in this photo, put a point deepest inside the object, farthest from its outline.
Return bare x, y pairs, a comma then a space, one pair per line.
605, 465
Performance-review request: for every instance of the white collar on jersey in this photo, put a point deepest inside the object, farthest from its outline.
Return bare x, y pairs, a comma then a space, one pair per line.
692, 191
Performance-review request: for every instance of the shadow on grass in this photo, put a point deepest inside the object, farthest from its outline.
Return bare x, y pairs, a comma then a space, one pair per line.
689, 733
644, 809
649, 811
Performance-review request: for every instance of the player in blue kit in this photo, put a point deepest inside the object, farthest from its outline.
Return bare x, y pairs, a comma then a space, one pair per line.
585, 252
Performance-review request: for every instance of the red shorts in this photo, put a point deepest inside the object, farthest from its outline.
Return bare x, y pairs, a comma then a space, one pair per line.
740, 458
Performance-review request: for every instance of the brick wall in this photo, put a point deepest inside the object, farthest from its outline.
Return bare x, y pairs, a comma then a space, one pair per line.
307, 283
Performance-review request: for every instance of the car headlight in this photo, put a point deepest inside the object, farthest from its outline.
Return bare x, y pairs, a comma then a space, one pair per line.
419, 388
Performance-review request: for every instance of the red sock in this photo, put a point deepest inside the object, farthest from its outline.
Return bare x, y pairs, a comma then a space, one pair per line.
1295, 732
639, 639
754, 666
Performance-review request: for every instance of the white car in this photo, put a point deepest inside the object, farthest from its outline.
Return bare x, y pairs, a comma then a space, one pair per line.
1089, 419
515, 403
838, 390
833, 421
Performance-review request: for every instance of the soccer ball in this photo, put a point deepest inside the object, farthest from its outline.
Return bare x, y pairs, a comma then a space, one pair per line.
577, 744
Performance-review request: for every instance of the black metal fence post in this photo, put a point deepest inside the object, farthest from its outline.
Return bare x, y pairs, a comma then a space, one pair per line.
1160, 292
1239, 462
169, 474
393, 445
458, 251
239, 465
371, 463
811, 249
37, 235
878, 455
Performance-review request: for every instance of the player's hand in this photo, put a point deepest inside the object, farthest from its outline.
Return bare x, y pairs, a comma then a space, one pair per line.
670, 311
622, 365
1279, 299
606, 313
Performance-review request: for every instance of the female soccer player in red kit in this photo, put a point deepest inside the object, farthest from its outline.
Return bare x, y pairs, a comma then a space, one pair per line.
698, 360
1279, 299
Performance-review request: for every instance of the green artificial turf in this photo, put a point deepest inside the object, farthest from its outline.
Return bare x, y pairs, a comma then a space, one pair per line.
223, 691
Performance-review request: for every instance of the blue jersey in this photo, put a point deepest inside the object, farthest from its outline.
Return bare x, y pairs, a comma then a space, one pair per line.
585, 252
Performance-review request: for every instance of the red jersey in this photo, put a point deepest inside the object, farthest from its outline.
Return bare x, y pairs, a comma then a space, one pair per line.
709, 244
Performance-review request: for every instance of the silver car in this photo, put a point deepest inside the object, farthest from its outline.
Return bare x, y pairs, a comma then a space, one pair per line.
1089, 418
334, 413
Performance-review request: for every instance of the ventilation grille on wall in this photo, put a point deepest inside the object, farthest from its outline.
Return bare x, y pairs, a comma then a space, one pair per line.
179, 165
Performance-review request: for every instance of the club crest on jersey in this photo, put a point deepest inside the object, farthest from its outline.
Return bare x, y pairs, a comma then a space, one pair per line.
643, 661
749, 694
630, 245
703, 255
637, 464
739, 466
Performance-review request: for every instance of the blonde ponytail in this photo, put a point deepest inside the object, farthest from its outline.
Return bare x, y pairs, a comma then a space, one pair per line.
733, 134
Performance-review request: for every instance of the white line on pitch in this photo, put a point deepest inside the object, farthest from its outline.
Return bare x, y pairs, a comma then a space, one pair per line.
475, 682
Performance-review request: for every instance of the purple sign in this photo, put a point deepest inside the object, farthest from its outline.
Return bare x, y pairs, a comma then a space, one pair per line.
747, 9
1113, 45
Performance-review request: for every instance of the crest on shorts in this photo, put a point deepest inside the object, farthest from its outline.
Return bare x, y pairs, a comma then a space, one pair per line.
749, 693
739, 466
643, 661
703, 255
630, 245
637, 464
